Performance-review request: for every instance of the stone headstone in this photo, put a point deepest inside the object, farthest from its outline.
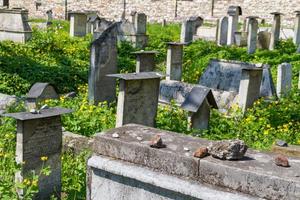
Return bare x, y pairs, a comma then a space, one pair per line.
40, 92
275, 32
263, 39
93, 23
252, 34
49, 17
138, 98
40, 135
103, 62
14, 25
189, 29
284, 79
240, 39
100, 26
233, 20
174, 61
78, 22
140, 23
145, 61
297, 29
223, 31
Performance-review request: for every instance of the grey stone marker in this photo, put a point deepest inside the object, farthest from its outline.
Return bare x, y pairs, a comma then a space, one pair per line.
263, 39
139, 38
93, 23
284, 79
14, 25
40, 92
275, 32
233, 12
78, 22
252, 34
100, 26
297, 29
249, 90
222, 31
145, 61
40, 135
198, 103
49, 17
138, 98
189, 28
103, 62
174, 61
240, 38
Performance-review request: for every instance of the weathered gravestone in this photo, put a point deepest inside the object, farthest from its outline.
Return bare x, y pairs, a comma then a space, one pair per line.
222, 31
14, 25
233, 20
100, 26
174, 61
275, 31
240, 39
93, 23
263, 39
138, 98
284, 79
103, 62
78, 22
297, 29
145, 61
40, 92
189, 29
6, 101
224, 77
40, 135
252, 34
49, 17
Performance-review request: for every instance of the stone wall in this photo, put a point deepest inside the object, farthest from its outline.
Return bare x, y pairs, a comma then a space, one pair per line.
157, 10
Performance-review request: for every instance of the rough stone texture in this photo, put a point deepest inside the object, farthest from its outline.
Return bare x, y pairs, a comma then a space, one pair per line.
145, 61
189, 29
76, 143
103, 61
6, 100
40, 135
255, 174
291, 150
281, 160
275, 31
14, 25
263, 40
174, 61
252, 34
138, 98
201, 152
115, 179
222, 31
79, 25
284, 79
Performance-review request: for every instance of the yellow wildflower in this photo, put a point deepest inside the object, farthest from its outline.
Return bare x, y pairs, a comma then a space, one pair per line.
34, 182
44, 158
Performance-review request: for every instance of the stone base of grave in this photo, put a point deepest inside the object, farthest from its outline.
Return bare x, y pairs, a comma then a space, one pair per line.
256, 174
114, 179
291, 150
21, 37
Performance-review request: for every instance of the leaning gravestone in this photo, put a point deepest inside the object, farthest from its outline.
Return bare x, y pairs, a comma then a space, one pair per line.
40, 92
14, 25
222, 31
103, 61
189, 29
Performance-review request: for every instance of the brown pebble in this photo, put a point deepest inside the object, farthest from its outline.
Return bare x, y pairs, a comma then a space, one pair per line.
156, 142
201, 152
281, 160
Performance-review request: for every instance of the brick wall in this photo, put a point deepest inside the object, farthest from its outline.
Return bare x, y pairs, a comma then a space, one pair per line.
163, 9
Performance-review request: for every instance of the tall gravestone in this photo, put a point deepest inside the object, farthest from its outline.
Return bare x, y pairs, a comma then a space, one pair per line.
252, 34
79, 22
222, 31
140, 37
145, 61
40, 135
297, 29
103, 61
233, 21
138, 98
189, 29
249, 89
174, 61
14, 25
284, 79
275, 32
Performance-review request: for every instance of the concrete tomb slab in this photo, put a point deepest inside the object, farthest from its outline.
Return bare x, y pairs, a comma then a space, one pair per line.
14, 25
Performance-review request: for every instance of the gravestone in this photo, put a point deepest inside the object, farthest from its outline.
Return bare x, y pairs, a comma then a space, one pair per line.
103, 61
40, 92
174, 61
40, 135
297, 29
78, 22
284, 79
240, 39
233, 20
249, 90
49, 17
222, 31
14, 25
263, 39
138, 98
93, 23
275, 31
189, 29
252, 34
100, 26
6, 101
145, 61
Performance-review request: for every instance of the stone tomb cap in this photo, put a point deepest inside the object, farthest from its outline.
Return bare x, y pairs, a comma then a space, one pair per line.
145, 52
276, 13
196, 97
233, 10
137, 76
51, 112
38, 89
